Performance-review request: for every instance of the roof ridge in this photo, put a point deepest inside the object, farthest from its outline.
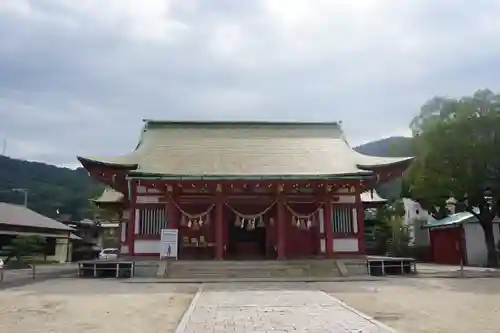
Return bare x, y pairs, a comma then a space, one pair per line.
238, 122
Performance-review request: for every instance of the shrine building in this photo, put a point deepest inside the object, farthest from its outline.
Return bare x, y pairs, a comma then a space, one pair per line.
242, 190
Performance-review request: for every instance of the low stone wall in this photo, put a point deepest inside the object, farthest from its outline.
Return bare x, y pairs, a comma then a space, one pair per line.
146, 269
354, 267
17, 277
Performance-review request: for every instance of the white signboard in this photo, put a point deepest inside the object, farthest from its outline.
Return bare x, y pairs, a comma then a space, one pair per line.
169, 243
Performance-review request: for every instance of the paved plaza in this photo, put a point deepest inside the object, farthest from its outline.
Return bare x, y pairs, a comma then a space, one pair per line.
298, 308
410, 305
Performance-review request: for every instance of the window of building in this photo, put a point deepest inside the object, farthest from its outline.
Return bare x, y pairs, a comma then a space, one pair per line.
342, 219
152, 220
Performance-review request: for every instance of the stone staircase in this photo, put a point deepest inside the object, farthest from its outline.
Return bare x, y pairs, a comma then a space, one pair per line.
268, 269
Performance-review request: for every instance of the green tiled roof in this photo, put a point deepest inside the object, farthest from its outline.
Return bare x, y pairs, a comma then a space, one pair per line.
451, 220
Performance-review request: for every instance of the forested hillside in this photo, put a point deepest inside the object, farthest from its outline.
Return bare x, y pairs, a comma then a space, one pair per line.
50, 188
394, 146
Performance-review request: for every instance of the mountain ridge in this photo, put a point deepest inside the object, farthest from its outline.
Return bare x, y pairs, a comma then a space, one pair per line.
52, 190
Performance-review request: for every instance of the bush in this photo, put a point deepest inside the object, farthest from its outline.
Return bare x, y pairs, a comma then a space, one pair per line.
397, 245
21, 248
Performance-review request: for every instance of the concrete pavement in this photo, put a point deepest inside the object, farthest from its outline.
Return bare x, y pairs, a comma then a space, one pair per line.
272, 308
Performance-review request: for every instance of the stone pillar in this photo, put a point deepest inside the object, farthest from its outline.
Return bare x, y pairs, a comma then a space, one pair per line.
328, 223
219, 224
281, 224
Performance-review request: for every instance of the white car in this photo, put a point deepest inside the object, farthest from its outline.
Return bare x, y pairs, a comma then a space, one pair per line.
108, 254
1, 263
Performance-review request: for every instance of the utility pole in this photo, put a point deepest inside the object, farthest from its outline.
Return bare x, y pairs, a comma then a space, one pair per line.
25, 192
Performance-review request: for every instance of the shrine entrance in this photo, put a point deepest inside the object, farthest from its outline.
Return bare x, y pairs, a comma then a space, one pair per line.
249, 229
246, 238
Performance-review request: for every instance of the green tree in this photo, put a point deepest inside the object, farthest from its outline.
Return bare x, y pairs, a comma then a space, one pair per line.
389, 230
22, 247
458, 145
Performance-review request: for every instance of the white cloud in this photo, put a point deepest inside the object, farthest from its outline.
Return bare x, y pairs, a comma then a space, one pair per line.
18, 7
147, 20
95, 68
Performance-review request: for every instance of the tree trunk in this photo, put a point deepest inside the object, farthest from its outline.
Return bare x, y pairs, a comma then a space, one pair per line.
489, 238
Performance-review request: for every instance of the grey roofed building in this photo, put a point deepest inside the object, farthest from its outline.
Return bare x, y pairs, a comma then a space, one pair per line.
19, 220
245, 149
21, 216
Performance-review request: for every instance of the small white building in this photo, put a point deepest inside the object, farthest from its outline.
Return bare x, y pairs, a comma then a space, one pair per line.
415, 217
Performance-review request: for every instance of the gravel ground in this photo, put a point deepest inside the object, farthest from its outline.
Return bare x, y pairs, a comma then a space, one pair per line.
425, 305
81, 305
410, 305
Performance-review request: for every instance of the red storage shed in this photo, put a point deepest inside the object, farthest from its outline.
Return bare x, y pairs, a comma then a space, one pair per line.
459, 237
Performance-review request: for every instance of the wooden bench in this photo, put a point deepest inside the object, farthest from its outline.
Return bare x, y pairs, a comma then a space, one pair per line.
380, 266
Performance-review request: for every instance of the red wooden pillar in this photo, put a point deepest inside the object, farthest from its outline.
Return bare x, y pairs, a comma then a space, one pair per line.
131, 222
318, 234
281, 224
328, 223
360, 219
172, 210
219, 224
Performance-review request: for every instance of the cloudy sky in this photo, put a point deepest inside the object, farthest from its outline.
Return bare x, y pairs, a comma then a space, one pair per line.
77, 77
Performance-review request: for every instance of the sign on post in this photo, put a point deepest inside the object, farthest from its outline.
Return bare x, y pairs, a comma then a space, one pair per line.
169, 243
